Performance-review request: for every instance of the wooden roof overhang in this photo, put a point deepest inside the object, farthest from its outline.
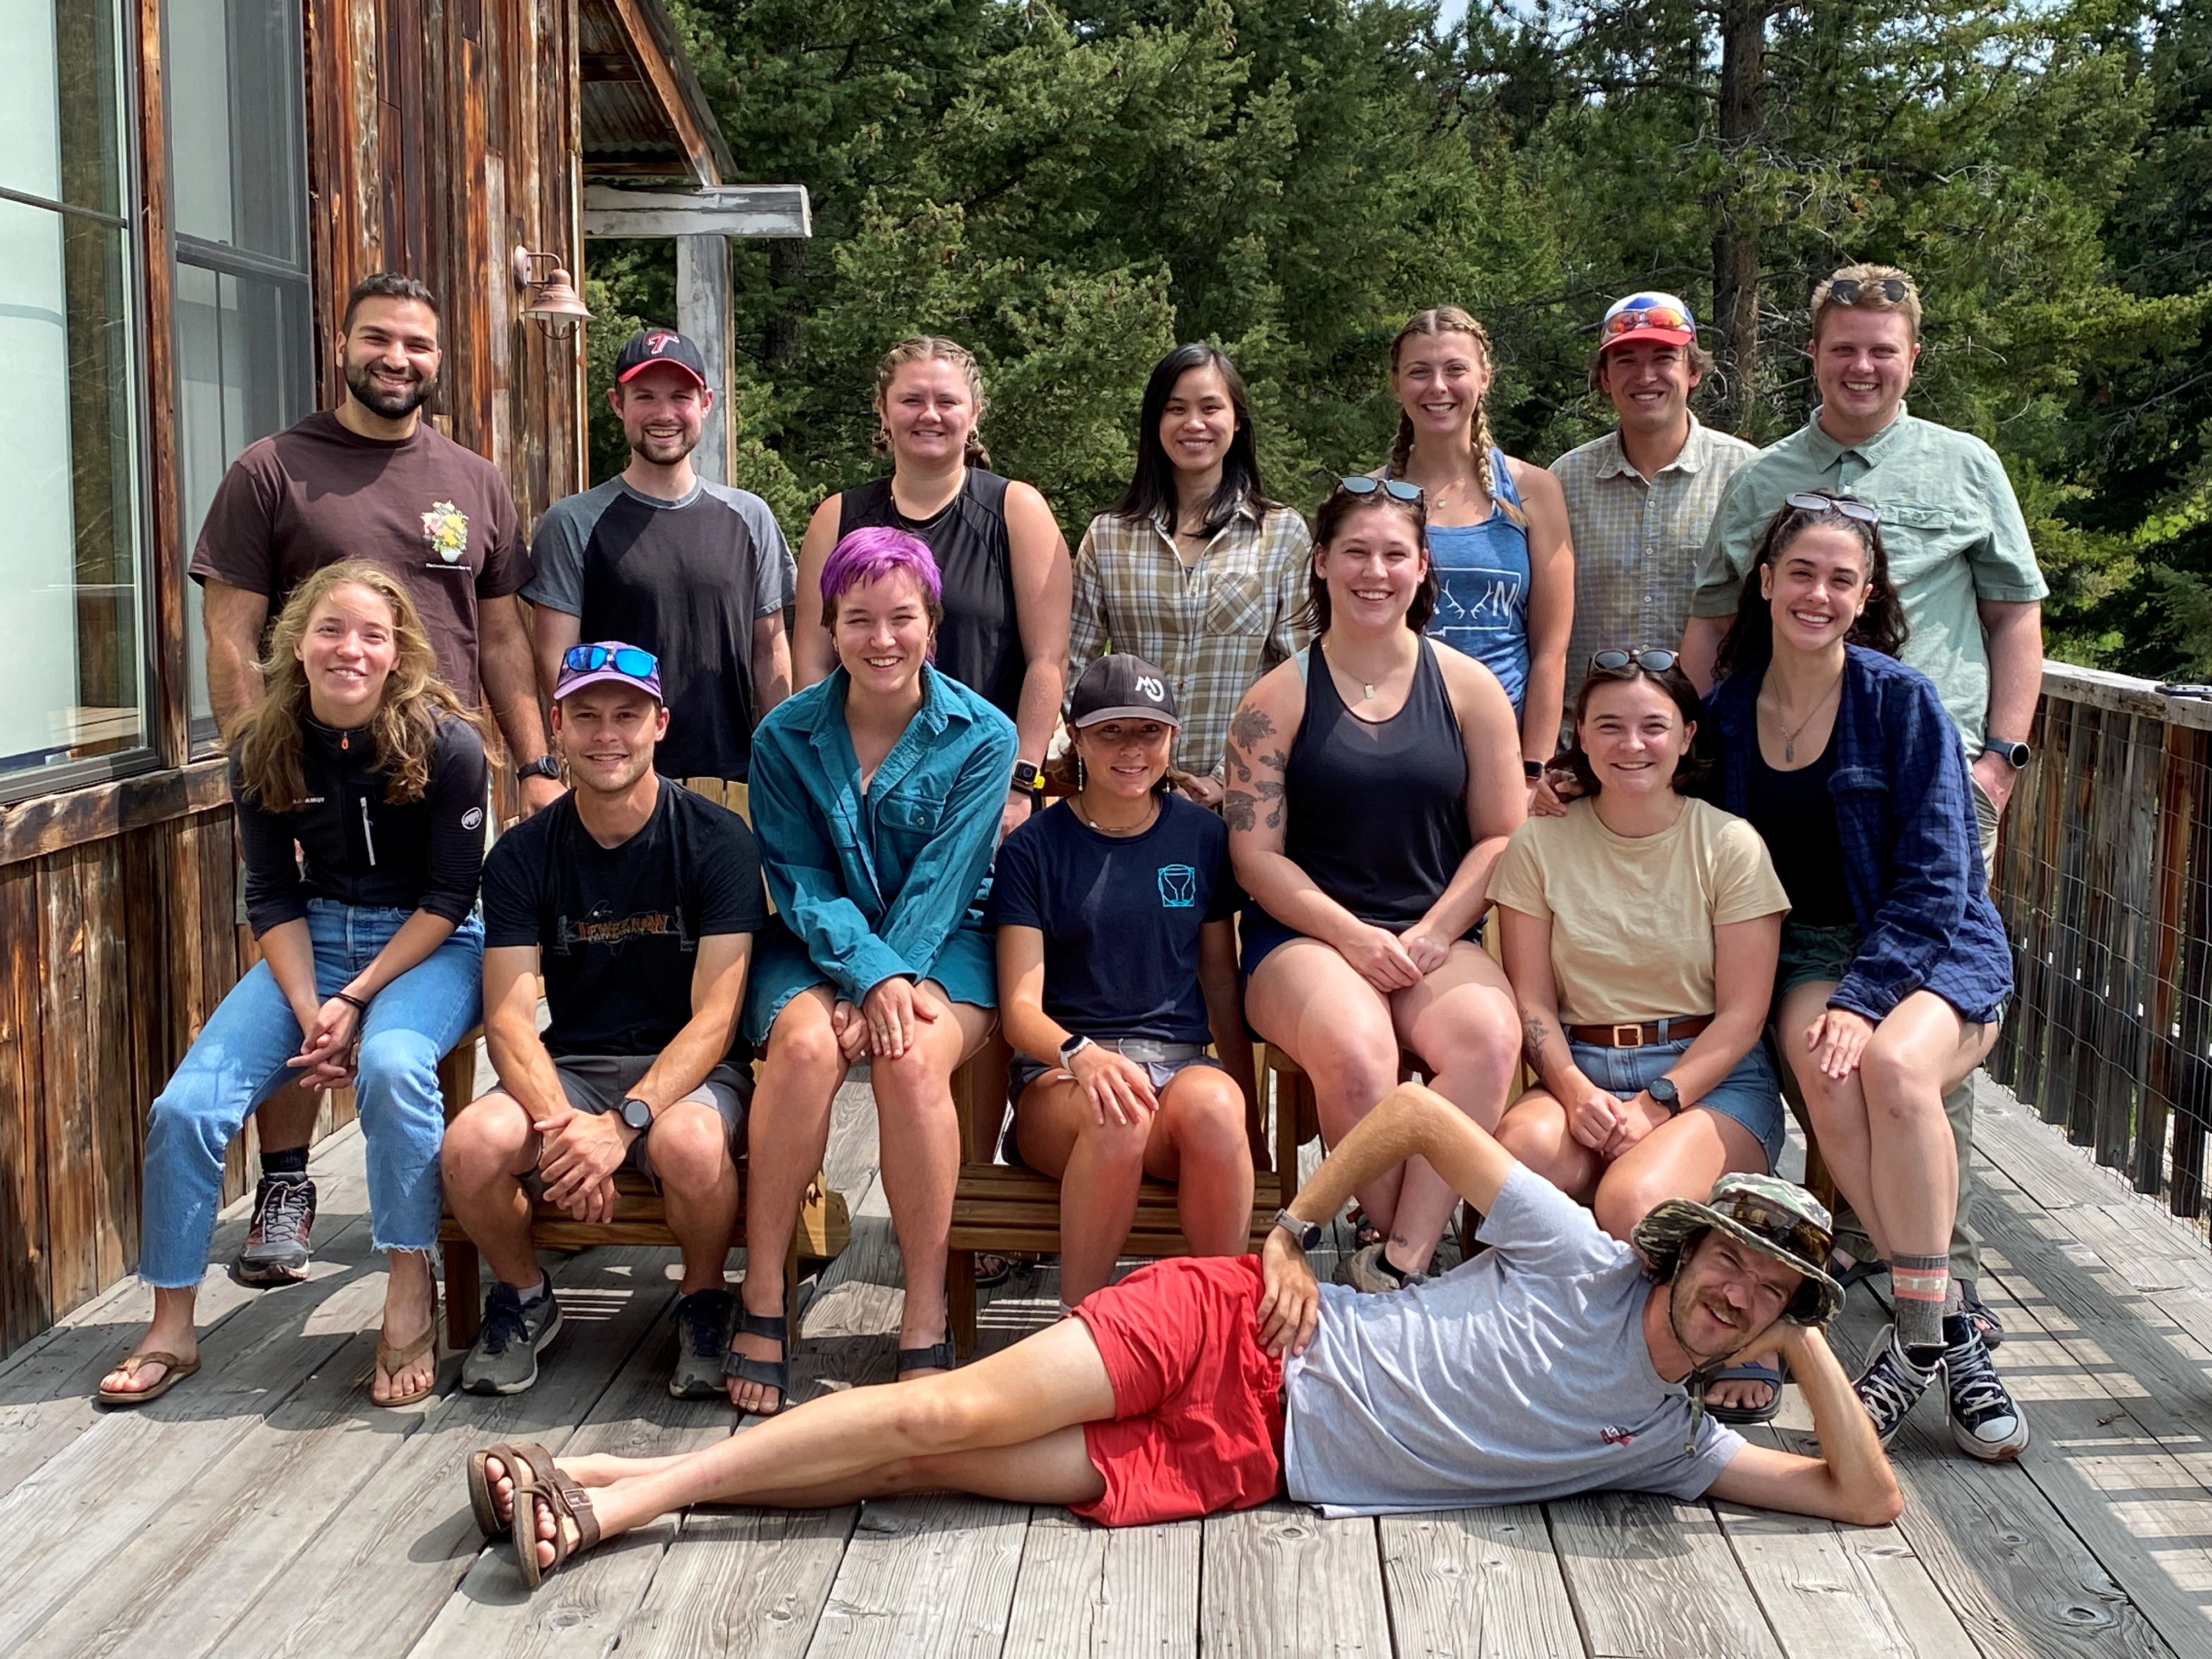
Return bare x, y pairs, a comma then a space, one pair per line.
644, 115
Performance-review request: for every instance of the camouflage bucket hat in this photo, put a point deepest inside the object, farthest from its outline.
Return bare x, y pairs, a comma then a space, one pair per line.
1775, 1217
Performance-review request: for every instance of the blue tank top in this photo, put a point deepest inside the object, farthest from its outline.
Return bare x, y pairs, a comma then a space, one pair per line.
1482, 571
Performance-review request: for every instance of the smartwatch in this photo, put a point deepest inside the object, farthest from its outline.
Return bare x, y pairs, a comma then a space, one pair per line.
1074, 1046
1029, 778
1307, 1233
2015, 754
1532, 770
543, 766
636, 1114
1663, 1089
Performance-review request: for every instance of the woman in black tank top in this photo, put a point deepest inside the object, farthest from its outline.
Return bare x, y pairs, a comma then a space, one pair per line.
1008, 581
1373, 780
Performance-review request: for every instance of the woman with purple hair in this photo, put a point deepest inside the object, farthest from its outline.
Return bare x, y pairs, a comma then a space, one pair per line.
876, 794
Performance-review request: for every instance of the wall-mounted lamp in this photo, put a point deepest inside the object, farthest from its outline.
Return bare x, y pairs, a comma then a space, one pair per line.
553, 302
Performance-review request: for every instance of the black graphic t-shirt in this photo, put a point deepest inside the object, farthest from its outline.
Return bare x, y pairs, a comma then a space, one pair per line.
618, 928
1119, 917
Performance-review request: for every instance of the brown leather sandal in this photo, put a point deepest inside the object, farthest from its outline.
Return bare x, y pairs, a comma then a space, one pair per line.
391, 1361
177, 1372
525, 1459
568, 1502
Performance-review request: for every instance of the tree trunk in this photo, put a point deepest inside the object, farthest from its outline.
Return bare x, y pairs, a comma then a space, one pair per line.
1735, 238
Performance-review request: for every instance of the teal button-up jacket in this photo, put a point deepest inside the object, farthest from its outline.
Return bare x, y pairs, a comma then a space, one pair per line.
872, 885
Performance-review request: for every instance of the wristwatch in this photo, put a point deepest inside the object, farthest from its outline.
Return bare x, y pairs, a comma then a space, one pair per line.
1307, 1233
1663, 1089
1029, 777
1074, 1046
1532, 770
2015, 754
543, 766
636, 1114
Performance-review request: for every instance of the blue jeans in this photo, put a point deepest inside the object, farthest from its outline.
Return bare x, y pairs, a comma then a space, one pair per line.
1751, 1093
238, 1062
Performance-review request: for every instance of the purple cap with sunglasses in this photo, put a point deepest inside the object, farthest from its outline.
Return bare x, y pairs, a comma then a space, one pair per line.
607, 660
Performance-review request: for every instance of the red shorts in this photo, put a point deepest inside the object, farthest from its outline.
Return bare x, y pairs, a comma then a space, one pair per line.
1198, 1404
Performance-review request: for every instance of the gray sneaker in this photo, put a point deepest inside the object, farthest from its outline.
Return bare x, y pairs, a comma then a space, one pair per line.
504, 1357
702, 1321
1369, 1270
277, 1251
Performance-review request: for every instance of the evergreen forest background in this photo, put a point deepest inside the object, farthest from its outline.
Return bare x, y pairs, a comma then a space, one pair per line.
1071, 190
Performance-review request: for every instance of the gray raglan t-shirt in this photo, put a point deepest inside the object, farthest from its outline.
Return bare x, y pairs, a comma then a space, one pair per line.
684, 579
1520, 1376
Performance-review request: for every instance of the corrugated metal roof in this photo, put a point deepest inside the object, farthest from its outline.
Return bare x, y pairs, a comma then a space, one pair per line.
625, 122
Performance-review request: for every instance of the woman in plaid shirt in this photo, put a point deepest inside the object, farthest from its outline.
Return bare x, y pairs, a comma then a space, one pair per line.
1195, 569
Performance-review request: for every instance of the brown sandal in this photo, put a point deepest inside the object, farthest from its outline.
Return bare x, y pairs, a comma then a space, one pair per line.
524, 1460
391, 1361
177, 1372
568, 1502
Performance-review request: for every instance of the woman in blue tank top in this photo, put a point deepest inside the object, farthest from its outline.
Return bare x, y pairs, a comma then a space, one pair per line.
1372, 783
1498, 527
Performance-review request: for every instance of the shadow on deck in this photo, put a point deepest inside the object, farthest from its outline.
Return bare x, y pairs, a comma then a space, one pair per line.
265, 1508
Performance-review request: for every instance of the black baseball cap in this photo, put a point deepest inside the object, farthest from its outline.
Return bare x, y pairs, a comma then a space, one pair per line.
1121, 687
658, 345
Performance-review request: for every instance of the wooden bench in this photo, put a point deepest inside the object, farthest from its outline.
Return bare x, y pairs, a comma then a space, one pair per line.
824, 1226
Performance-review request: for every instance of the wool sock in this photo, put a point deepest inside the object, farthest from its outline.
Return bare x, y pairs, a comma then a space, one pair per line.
1920, 1283
292, 1161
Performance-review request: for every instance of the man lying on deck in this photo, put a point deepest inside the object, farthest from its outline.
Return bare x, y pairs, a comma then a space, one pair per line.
1554, 1363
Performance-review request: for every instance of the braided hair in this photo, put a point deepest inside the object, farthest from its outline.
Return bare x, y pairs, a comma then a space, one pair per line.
930, 347
1451, 319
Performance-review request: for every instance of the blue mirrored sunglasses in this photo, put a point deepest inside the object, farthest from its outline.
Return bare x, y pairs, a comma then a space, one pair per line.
626, 659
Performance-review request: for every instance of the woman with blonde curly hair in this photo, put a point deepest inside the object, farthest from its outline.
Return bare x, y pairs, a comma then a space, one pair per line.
360, 757
1008, 580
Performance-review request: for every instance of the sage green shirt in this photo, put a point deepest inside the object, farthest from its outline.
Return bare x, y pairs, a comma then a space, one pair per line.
1950, 525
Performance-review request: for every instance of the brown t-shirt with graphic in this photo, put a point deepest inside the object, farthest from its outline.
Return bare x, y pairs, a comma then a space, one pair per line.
437, 515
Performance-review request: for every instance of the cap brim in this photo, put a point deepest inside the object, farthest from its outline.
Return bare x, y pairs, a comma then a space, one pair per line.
637, 369
1132, 712
1672, 1220
565, 689
1653, 335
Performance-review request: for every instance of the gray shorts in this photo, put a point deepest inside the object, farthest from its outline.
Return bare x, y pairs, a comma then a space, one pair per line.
601, 1083
1023, 1070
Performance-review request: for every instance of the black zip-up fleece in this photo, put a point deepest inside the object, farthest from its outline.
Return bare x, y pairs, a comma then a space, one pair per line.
357, 848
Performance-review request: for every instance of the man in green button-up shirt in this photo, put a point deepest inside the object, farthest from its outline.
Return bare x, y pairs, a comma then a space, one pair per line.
1958, 557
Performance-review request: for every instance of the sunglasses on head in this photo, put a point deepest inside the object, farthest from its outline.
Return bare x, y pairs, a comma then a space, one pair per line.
1850, 506
1627, 322
1397, 488
1850, 290
626, 659
1650, 660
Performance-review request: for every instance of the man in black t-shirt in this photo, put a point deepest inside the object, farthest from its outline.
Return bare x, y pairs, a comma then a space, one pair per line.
637, 900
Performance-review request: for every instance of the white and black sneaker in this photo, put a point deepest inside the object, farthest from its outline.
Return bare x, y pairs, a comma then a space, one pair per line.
1984, 1421
1891, 1385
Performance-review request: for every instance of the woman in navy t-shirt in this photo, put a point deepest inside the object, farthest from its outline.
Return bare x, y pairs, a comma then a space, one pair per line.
1117, 965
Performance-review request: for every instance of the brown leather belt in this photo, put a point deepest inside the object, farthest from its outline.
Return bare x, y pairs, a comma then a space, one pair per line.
1672, 1030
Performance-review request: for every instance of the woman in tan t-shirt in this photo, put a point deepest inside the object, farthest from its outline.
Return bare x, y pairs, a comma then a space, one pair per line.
1641, 931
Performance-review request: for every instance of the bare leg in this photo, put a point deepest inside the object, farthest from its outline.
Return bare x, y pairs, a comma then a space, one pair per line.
286, 1121
1205, 1151
1460, 1021
1535, 1130
1097, 1164
1306, 999
921, 1138
409, 1305
689, 1151
487, 1151
171, 1331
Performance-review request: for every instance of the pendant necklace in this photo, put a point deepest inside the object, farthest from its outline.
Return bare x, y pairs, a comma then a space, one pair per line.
1789, 738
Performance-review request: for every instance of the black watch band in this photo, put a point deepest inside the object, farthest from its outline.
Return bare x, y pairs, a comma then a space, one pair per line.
636, 1114
1532, 770
2015, 754
1663, 1089
1029, 777
543, 766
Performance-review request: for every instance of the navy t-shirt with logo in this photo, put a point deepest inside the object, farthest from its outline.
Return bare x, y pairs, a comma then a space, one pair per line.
618, 928
1121, 916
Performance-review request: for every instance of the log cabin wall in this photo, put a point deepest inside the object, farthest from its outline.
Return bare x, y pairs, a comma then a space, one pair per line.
441, 133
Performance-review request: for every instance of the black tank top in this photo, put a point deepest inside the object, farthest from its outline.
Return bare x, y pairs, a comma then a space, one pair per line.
978, 643
1378, 808
1795, 814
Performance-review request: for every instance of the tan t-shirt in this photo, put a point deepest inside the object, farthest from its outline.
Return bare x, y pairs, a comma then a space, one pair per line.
1632, 919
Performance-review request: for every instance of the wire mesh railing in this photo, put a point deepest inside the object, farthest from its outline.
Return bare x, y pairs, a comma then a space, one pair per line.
2105, 881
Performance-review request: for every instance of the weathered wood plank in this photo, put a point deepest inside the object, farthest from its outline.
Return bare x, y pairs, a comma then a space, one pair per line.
924, 1575
1091, 1592
1280, 1582
65, 1140
52, 823
1477, 1584
702, 312
747, 1583
710, 210
1656, 1579
25, 1288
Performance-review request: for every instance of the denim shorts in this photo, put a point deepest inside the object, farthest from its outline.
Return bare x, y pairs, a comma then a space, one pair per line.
1022, 1070
1750, 1094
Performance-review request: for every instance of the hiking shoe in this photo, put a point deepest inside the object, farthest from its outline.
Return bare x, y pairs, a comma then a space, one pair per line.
1369, 1270
1891, 1385
1984, 1317
504, 1357
277, 1251
702, 1320
1984, 1421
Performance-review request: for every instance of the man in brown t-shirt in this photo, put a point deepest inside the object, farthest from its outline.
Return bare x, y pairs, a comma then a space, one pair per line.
370, 479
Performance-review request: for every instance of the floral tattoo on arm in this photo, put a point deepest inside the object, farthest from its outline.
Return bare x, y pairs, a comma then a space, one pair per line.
1240, 804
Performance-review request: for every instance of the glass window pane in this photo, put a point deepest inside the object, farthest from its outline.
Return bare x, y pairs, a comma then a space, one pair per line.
236, 126
71, 650
243, 371
57, 120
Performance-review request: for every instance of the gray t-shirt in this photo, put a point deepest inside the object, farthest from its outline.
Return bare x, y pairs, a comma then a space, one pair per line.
1520, 1376
684, 579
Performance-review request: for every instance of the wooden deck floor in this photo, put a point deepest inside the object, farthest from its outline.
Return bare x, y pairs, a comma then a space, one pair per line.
266, 1509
